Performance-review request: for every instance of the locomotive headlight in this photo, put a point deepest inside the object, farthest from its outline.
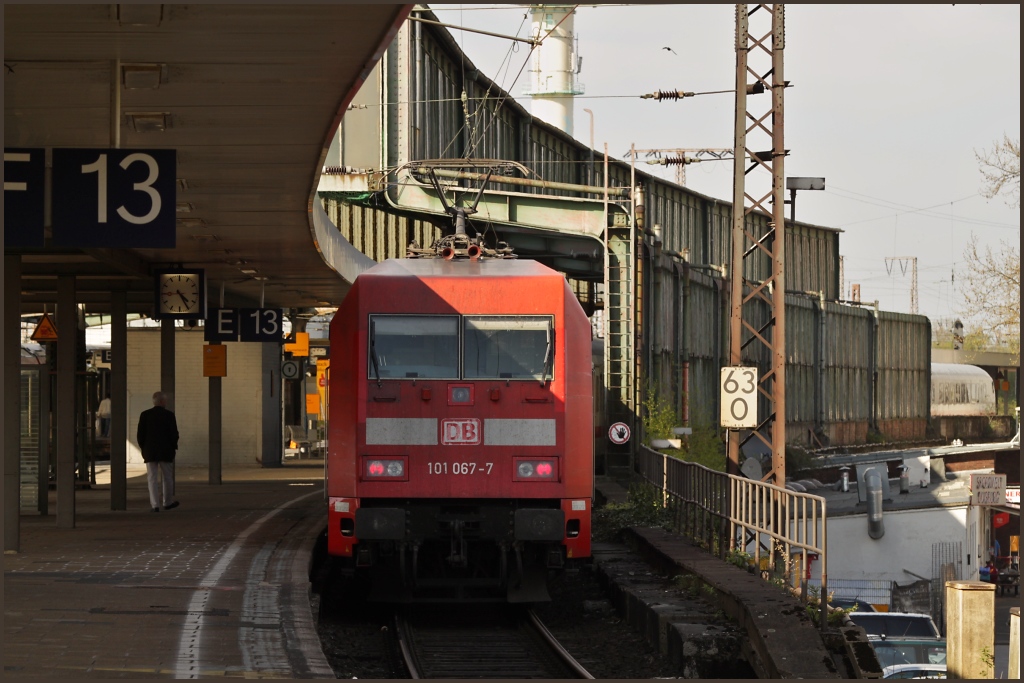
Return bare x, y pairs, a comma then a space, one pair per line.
526, 469
396, 468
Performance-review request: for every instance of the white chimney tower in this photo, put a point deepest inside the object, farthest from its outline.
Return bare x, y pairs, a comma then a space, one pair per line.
554, 66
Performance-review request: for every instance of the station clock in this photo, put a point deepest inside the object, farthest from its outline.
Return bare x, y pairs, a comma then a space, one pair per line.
180, 294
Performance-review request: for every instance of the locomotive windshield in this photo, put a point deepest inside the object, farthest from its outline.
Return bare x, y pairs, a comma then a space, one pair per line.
508, 347
414, 346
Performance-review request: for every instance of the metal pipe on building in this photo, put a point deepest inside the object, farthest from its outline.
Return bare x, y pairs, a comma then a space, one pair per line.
873, 483
620, 192
822, 336
590, 176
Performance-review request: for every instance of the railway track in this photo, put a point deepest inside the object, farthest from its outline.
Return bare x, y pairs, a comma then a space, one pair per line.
505, 643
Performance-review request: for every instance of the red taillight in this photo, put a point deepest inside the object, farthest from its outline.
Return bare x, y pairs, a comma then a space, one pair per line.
381, 468
534, 469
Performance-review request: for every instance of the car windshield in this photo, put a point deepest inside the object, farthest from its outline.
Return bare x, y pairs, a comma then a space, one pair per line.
895, 626
890, 653
508, 347
413, 346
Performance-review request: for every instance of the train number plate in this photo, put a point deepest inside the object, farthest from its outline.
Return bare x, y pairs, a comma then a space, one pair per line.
459, 467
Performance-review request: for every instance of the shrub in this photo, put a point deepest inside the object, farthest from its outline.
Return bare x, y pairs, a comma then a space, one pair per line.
643, 508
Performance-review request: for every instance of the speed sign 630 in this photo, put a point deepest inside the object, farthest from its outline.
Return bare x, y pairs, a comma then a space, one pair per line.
739, 398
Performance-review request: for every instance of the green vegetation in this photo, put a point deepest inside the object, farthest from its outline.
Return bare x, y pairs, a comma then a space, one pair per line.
741, 559
703, 447
835, 614
644, 507
797, 460
875, 436
658, 415
988, 662
694, 586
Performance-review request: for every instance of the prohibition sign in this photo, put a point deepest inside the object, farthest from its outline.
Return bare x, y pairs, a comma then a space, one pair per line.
619, 433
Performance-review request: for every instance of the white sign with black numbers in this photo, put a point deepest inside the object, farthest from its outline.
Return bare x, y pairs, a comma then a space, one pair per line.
739, 398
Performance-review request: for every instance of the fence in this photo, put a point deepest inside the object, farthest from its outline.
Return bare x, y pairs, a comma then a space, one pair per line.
863, 591
722, 513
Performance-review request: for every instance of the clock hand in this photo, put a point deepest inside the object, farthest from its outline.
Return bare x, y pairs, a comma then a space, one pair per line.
182, 297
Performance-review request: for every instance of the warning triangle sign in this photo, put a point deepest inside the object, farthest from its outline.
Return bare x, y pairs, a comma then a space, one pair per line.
45, 330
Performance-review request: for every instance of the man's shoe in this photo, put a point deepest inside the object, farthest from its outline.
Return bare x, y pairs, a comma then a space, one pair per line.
156, 509
172, 505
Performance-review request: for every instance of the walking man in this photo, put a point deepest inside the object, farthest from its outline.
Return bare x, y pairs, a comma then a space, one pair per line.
158, 438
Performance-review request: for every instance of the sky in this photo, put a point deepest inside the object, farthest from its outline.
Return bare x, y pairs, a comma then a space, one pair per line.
889, 104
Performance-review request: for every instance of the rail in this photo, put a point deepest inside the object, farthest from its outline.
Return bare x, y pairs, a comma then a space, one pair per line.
724, 514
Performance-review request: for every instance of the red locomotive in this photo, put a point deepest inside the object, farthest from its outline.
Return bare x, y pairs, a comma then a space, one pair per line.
460, 459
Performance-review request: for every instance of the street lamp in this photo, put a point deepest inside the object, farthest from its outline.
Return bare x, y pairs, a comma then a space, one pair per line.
794, 184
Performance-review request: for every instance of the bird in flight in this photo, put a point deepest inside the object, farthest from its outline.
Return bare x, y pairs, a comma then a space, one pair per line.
669, 49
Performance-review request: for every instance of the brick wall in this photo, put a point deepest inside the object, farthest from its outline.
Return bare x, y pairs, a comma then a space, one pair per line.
241, 403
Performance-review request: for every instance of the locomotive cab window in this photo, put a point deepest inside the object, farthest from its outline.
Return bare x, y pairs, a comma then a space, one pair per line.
508, 347
413, 346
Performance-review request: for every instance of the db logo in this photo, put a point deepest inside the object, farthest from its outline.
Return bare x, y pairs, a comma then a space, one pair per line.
462, 432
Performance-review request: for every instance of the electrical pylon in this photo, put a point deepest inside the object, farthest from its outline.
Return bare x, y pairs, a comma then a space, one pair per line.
913, 276
758, 261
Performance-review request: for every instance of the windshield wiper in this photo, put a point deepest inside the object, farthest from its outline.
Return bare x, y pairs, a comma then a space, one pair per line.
547, 359
373, 352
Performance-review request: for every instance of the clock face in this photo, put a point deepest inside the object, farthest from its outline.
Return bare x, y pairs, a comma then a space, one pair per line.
179, 294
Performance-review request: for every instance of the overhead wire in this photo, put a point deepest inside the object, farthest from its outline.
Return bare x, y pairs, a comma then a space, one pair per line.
906, 209
501, 102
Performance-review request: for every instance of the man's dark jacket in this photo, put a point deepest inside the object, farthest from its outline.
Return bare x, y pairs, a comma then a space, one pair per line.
158, 435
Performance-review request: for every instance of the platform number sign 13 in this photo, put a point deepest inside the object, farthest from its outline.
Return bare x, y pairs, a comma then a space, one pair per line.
114, 198
739, 398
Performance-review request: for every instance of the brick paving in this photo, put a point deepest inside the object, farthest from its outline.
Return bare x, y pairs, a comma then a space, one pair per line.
216, 587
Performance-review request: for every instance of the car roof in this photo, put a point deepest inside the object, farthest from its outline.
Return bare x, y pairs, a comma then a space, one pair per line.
915, 615
906, 640
898, 668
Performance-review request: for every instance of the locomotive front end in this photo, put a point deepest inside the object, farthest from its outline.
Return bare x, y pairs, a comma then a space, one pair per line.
460, 455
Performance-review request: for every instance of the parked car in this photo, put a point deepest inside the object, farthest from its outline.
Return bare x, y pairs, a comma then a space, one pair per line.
860, 604
915, 671
894, 651
896, 624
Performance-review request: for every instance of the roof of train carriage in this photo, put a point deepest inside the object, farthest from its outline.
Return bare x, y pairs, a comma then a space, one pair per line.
463, 277
958, 372
248, 95
441, 268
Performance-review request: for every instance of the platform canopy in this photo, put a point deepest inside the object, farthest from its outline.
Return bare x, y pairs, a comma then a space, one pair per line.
247, 95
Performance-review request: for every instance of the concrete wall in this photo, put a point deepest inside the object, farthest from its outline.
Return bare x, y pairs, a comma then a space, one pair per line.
242, 396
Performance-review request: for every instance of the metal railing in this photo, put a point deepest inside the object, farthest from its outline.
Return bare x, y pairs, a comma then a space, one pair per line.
725, 513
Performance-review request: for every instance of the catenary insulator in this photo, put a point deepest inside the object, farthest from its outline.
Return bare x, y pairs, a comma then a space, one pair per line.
666, 95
